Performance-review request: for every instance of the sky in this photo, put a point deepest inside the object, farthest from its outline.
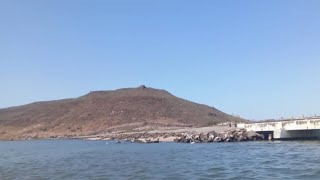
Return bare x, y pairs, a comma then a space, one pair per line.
255, 59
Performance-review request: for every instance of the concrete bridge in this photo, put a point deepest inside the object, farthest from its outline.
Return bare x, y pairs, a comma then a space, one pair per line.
288, 129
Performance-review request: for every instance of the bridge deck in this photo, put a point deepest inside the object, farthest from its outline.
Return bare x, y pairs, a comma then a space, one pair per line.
287, 129
307, 124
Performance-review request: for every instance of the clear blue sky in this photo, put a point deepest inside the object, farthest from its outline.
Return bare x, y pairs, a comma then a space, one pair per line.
256, 59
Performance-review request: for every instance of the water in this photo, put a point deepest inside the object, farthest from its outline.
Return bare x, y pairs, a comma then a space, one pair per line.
75, 159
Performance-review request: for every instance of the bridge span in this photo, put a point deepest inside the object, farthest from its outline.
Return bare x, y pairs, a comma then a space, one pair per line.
289, 129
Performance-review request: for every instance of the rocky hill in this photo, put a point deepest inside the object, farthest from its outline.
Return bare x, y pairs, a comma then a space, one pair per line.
106, 111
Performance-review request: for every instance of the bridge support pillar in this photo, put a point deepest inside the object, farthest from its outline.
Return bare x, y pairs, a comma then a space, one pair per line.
280, 134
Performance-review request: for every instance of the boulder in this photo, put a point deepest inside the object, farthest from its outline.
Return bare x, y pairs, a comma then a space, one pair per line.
252, 135
241, 138
203, 137
217, 139
153, 141
140, 141
211, 138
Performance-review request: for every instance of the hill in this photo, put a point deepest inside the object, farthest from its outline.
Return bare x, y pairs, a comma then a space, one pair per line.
106, 111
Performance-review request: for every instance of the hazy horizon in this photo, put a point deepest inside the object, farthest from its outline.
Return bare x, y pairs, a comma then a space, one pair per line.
258, 60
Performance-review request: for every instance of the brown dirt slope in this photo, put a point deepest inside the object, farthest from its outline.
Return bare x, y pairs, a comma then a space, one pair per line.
103, 111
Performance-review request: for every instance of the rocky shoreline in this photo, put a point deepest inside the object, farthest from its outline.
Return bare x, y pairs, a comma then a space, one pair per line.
235, 135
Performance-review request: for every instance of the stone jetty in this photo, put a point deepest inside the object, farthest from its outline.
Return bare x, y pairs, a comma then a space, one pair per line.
236, 135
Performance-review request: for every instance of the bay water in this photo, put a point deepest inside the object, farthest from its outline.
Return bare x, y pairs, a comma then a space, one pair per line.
82, 160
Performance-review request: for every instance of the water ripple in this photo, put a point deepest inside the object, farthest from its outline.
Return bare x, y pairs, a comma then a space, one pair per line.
71, 159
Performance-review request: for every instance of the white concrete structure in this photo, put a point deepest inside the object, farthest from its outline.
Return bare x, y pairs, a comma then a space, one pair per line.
292, 129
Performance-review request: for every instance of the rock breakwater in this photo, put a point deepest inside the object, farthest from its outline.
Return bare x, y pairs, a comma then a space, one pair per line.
236, 135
